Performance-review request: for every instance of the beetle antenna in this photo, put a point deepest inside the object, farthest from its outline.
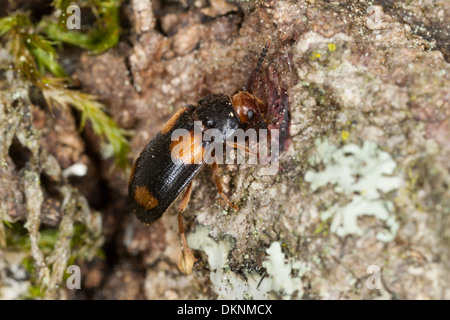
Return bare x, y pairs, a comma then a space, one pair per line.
262, 56
262, 278
259, 65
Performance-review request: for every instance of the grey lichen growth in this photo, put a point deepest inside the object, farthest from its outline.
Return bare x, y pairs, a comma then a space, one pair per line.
281, 272
227, 284
282, 277
363, 175
49, 266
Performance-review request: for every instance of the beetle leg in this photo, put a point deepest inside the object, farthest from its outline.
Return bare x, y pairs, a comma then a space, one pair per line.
241, 147
219, 186
187, 258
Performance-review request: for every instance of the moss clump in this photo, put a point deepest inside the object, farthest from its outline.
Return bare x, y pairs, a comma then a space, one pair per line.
103, 36
35, 59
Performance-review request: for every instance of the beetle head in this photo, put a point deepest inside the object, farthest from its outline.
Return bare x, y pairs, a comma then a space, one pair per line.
248, 107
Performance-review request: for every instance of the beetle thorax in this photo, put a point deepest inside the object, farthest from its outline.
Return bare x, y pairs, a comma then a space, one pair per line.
217, 112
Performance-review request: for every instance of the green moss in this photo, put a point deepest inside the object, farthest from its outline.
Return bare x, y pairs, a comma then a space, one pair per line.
91, 110
103, 36
35, 59
78, 236
34, 292
17, 238
28, 264
7, 223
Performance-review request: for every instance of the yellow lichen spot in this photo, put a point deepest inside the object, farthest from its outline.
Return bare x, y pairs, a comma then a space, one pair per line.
145, 198
345, 135
315, 55
331, 47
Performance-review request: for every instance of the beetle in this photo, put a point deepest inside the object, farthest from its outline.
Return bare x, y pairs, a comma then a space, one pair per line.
157, 177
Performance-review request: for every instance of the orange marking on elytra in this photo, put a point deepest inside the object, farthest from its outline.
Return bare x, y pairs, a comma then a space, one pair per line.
169, 124
133, 170
145, 198
189, 149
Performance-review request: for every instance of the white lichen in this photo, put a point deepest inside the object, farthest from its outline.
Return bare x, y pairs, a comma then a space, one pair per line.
13, 277
227, 284
75, 170
283, 278
280, 272
362, 174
